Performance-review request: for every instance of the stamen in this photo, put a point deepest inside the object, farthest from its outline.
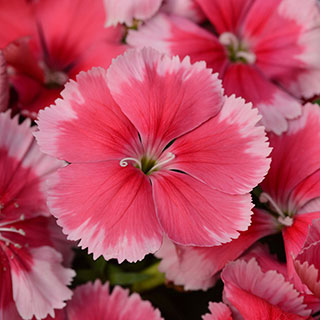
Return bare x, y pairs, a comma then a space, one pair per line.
170, 156
249, 57
124, 162
2, 224
8, 242
265, 197
4, 228
53, 76
58, 77
229, 39
287, 221
12, 229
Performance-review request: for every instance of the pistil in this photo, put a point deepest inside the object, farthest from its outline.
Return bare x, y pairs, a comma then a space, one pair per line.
147, 165
283, 218
53, 78
236, 49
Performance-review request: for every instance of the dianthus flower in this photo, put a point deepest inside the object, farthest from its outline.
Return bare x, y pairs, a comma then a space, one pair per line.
291, 189
254, 294
267, 52
95, 301
47, 42
197, 268
33, 280
154, 148
307, 262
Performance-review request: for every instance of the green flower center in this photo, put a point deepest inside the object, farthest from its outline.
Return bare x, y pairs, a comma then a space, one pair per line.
237, 51
147, 164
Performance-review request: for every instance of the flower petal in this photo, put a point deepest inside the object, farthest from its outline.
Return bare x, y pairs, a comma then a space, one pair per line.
192, 213
29, 284
286, 54
256, 294
16, 21
111, 210
306, 262
197, 268
162, 96
176, 35
184, 8
307, 266
226, 15
125, 11
306, 194
265, 260
287, 169
4, 84
295, 236
275, 105
98, 55
218, 311
23, 170
69, 28
228, 152
8, 309
87, 125
95, 301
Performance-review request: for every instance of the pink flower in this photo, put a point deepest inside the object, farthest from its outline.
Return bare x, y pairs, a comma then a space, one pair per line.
198, 268
291, 189
254, 294
125, 11
94, 301
33, 281
268, 262
265, 51
307, 262
59, 40
154, 148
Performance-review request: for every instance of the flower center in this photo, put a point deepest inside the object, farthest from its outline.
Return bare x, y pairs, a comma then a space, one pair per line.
147, 165
237, 50
283, 218
53, 78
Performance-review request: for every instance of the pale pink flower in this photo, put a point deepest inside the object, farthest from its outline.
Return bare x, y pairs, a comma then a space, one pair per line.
291, 190
253, 294
33, 280
59, 39
125, 11
198, 268
218, 311
307, 262
126, 186
265, 51
93, 301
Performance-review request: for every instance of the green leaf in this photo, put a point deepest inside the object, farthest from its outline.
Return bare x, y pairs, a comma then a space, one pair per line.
116, 276
156, 278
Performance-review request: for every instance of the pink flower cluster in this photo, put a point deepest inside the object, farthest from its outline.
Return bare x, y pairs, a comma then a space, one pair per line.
179, 128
